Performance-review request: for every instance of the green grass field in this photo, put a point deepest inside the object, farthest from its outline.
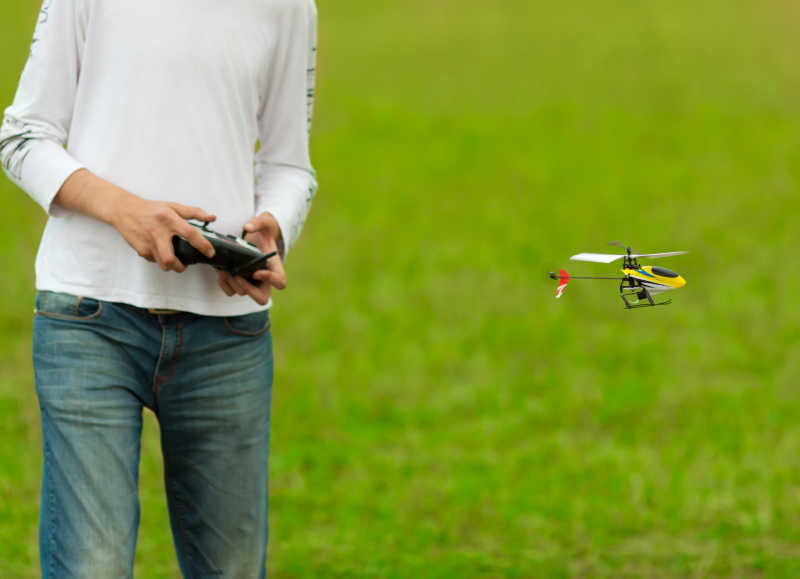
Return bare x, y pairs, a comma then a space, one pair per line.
436, 412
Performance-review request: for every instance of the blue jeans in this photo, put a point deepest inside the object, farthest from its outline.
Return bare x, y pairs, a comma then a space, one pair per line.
207, 379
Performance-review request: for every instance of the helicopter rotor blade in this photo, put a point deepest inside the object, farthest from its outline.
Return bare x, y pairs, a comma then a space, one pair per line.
596, 257
655, 255
620, 244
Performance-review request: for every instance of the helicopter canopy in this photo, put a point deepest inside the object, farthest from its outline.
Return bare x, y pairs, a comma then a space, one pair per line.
663, 271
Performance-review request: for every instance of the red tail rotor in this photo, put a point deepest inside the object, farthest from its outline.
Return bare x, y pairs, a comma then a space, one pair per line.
563, 277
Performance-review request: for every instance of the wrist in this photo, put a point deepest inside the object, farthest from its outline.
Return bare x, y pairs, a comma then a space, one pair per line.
274, 230
115, 205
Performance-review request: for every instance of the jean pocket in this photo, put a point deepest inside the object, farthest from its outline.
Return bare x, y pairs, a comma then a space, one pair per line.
63, 306
249, 324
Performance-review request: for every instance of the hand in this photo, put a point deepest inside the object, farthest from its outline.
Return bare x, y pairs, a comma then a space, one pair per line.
149, 226
265, 233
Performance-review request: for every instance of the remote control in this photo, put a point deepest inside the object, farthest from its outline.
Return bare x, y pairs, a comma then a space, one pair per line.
232, 254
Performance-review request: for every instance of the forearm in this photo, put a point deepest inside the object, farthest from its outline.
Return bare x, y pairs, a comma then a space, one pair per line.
36, 126
86, 193
147, 226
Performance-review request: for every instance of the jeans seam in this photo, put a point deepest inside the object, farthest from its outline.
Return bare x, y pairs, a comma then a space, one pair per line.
156, 375
158, 379
51, 524
244, 332
181, 527
70, 317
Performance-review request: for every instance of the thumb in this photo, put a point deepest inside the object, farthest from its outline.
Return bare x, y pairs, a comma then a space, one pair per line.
188, 212
257, 223
261, 222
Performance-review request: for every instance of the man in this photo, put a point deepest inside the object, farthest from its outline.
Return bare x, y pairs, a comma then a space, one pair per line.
130, 118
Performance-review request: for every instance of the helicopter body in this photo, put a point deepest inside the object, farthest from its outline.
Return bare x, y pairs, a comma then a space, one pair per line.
656, 279
639, 283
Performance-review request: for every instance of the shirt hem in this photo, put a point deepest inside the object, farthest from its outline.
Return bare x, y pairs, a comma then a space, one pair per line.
236, 306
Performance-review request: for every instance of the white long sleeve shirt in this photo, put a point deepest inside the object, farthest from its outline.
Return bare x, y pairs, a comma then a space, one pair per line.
166, 99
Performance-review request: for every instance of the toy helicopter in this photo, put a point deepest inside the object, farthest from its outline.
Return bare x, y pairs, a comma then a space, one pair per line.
639, 284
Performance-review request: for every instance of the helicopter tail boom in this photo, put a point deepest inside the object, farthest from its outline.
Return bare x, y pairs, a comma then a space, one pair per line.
563, 278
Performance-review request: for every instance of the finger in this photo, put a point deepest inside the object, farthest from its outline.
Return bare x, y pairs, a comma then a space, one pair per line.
259, 294
273, 278
196, 239
225, 285
276, 275
237, 285
145, 254
227, 289
262, 221
165, 256
188, 212
257, 223
275, 265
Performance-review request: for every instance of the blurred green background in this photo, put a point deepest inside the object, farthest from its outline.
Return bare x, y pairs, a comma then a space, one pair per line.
436, 412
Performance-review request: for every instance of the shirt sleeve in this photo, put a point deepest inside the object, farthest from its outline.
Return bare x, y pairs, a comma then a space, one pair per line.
285, 180
36, 126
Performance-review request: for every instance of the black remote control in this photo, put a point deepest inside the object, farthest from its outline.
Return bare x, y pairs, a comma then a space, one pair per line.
232, 254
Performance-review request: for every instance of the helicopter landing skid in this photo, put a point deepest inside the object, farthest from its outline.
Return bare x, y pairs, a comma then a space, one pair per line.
645, 305
632, 288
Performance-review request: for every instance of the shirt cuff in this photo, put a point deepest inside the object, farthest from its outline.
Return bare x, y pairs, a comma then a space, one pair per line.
287, 195
45, 170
